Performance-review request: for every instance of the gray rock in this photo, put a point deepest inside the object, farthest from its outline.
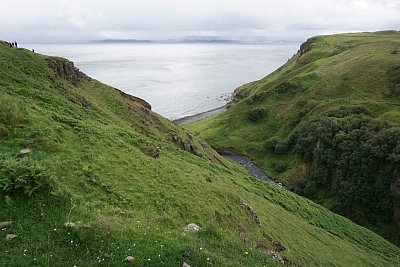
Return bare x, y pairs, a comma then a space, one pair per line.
185, 265
192, 227
4, 224
69, 224
129, 259
186, 253
108, 255
11, 236
155, 152
24, 152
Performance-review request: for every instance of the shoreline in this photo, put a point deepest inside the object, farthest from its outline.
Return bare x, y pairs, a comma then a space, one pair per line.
200, 116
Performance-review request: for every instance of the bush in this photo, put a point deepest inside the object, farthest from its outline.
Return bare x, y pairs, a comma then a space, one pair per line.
257, 114
281, 147
24, 176
280, 166
258, 97
270, 143
352, 158
286, 88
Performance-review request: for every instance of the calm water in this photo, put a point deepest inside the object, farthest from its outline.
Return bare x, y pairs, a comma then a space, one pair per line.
178, 80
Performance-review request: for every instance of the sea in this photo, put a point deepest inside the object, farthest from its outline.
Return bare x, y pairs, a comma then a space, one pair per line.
178, 80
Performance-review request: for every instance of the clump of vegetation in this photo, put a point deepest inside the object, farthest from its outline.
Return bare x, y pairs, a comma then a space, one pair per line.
305, 109
259, 97
280, 166
286, 88
257, 114
276, 146
271, 143
24, 176
353, 157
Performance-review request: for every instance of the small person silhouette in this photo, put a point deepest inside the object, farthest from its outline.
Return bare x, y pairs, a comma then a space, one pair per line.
10, 45
16, 44
33, 50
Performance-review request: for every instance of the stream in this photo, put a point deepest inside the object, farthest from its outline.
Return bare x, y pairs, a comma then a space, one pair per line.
249, 165
246, 162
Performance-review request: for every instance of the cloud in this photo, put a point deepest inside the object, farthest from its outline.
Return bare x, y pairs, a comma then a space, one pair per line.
73, 20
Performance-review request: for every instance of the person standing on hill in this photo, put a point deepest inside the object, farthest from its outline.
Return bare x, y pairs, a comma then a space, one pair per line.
16, 44
10, 45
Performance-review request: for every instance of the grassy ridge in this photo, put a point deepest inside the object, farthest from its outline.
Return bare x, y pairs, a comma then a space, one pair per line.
92, 164
329, 73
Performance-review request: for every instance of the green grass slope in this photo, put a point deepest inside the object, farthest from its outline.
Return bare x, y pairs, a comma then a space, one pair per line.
326, 123
106, 178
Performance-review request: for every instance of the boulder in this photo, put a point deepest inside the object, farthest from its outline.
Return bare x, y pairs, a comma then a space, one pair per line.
186, 252
192, 227
185, 265
5, 224
24, 152
11, 236
129, 259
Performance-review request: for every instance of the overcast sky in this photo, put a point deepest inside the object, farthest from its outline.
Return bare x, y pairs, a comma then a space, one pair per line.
245, 20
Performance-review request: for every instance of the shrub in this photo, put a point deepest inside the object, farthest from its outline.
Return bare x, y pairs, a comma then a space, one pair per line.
24, 176
270, 143
280, 166
258, 97
257, 114
281, 147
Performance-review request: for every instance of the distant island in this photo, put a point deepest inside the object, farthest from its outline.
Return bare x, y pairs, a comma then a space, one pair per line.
188, 41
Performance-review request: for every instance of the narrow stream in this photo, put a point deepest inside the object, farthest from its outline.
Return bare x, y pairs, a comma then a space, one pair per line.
249, 165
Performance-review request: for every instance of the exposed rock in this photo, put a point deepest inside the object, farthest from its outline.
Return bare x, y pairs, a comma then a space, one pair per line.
276, 255
252, 212
11, 236
83, 101
307, 46
186, 253
69, 224
155, 152
108, 255
192, 227
185, 265
4, 43
24, 152
5, 224
129, 259
278, 246
66, 70
136, 100
185, 145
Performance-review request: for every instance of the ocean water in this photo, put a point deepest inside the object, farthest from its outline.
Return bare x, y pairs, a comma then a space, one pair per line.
178, 80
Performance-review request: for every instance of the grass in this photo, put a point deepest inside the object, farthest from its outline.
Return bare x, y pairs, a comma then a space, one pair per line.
125, 202
347, 69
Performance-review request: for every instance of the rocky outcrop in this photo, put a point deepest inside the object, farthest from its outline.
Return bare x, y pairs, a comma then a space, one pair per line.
192, 227
66, 70
307, 46
185, 145
252, 212
4, 43
136, 101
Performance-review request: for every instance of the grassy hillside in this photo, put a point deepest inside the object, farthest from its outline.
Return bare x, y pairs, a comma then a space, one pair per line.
105, 178
327, 123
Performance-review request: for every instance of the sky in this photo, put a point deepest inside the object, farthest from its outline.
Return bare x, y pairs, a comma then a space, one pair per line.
240, 20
